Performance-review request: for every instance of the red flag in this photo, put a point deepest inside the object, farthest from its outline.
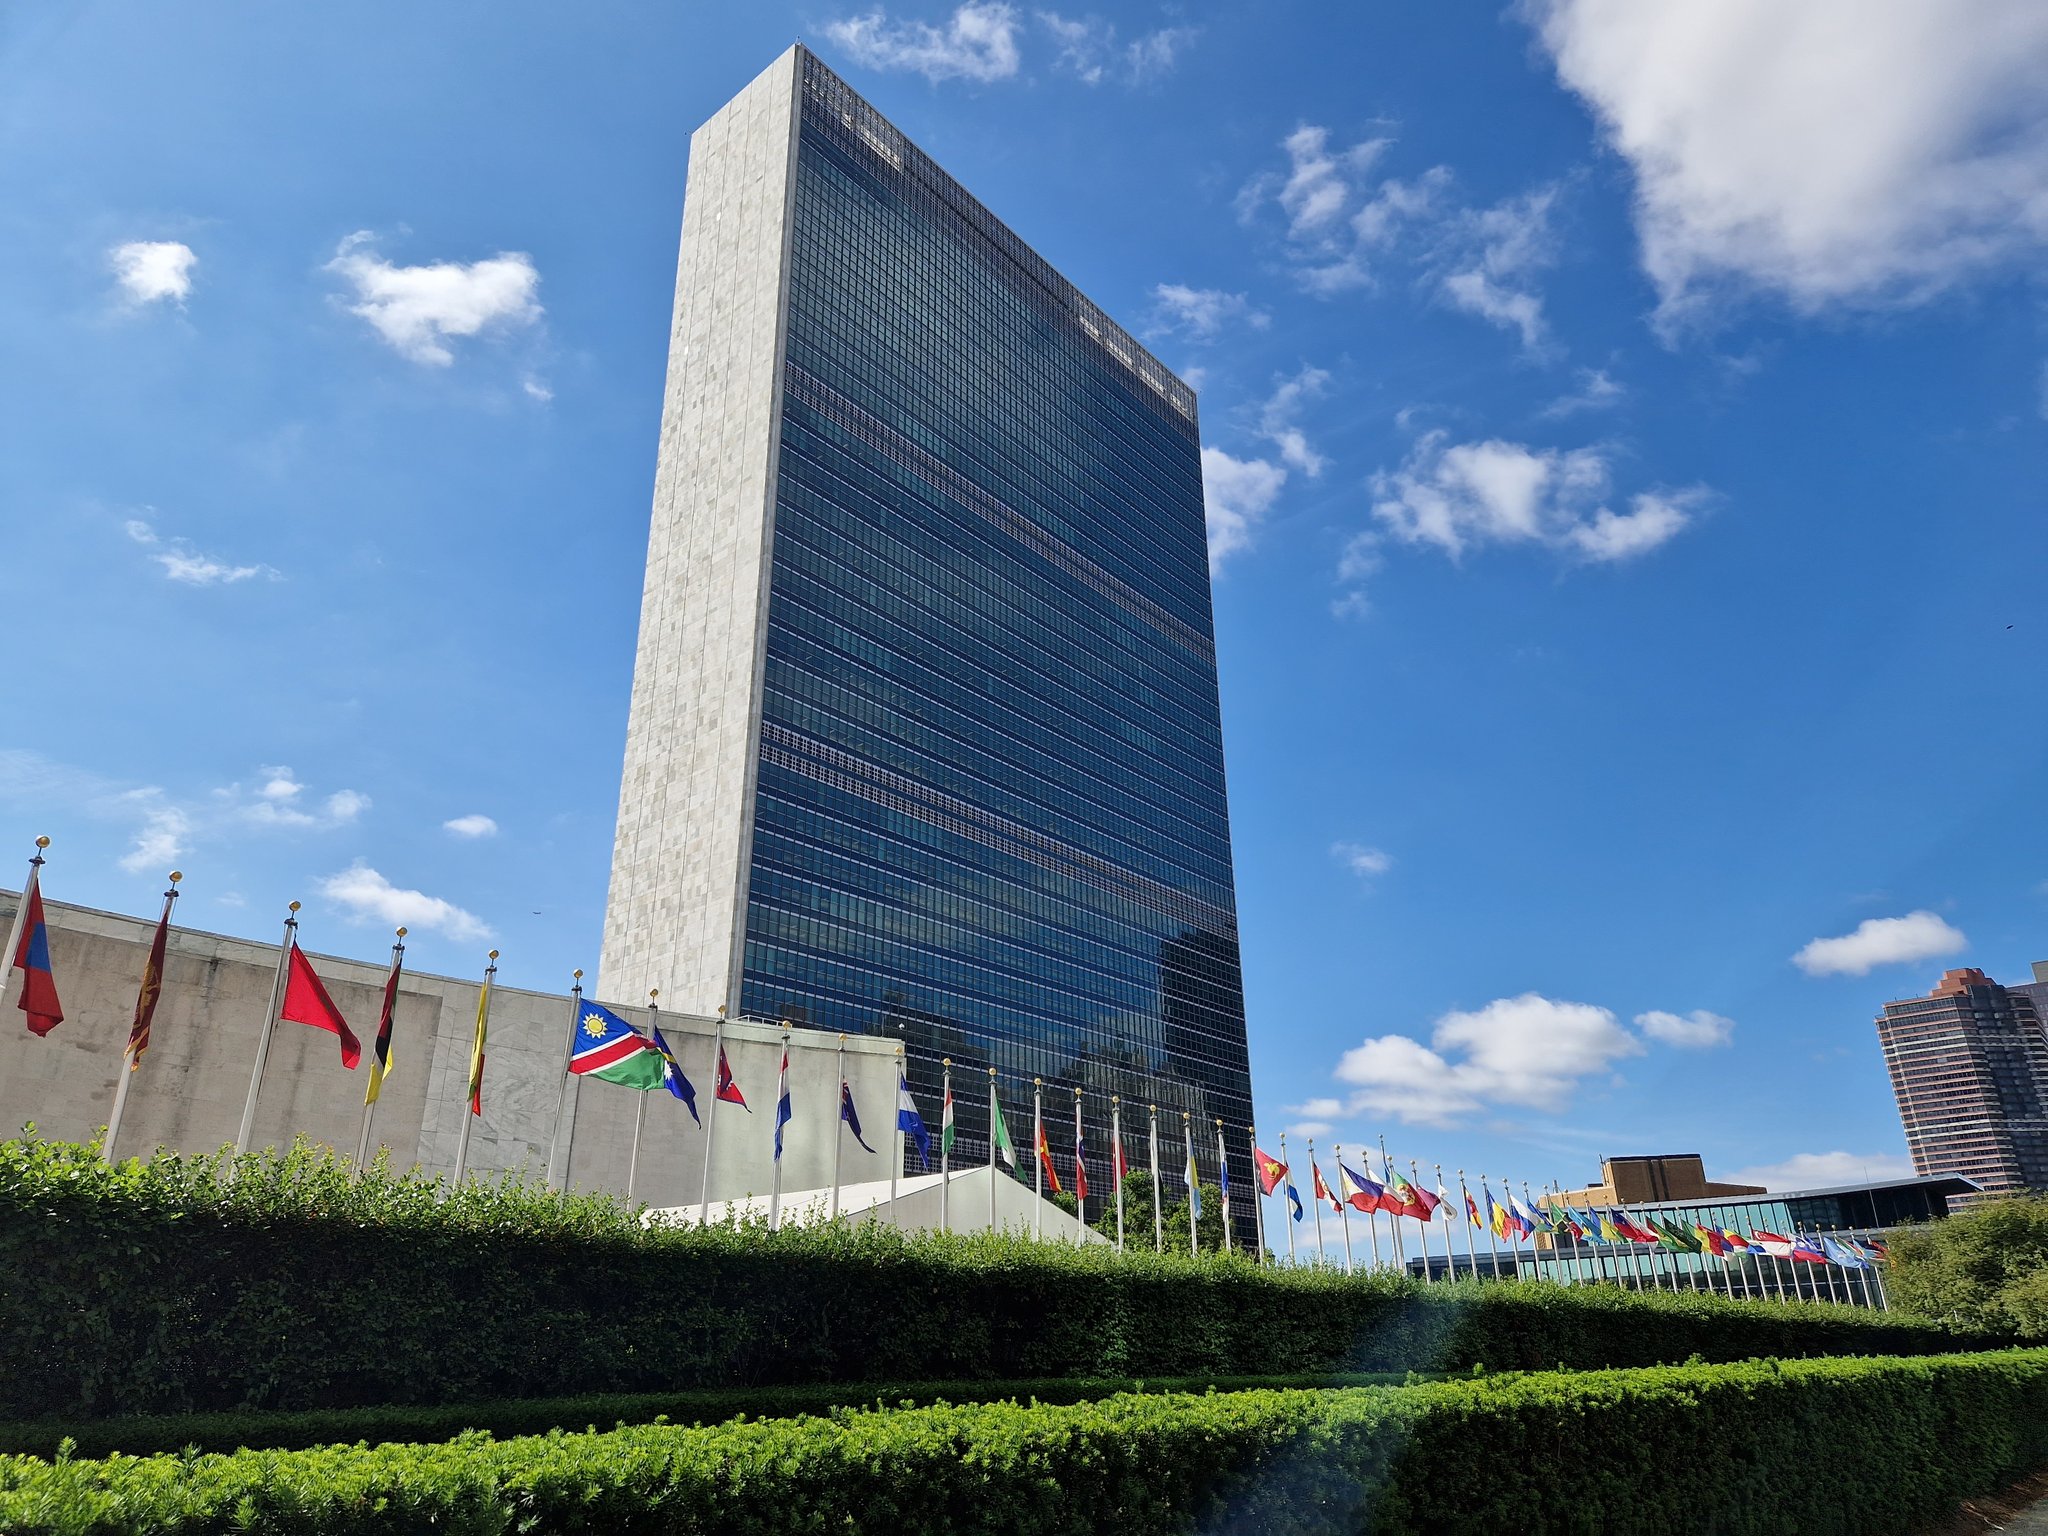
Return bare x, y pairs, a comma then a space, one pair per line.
1323, 1190
306, 1002
728, 1090
152, 986
1271, 1170
1080, 1168
32, 959
1052, 1176
380, 1048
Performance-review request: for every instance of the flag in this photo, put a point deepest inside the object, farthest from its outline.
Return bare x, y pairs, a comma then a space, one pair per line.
846, 1113
306, 1002
32, 959
1003, 1147
1323, 1190
1777, 1247
1445, 1203
608, 1047
1609, 1232
1710, 1240
1526, 1215
1194, 1183
1807, 1251
1271, 1170
1496, 1217
1223, 1178
380, 1049
1407, 1199
946, 1122
476, 1047
1561, 1223
1359, 1192
1736, 1241
781, 1097
152, 985
1844, 1254
723, 1087
911, 1123
1052, 1174
1673, 1237
1080, 1165
672, 1076
1294, 1200
1472, 1211
1116, 1152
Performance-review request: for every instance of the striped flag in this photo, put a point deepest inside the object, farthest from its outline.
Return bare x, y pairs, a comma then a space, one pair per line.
946, 1122
781, 1095
608, 1047
152, 987
476, 1046
380, 1050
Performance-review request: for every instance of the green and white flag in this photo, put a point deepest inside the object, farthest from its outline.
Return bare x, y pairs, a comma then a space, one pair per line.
1004, 1150
608, 1047
946, 1122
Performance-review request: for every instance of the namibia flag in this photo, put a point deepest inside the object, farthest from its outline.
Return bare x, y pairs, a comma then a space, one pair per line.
610, 1048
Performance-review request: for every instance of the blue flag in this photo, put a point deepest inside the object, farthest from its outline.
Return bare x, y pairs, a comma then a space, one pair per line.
1294, 1199
846, 1113
672, 1076
910, 1122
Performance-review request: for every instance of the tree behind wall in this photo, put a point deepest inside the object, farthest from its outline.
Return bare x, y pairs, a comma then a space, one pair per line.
1986, 1267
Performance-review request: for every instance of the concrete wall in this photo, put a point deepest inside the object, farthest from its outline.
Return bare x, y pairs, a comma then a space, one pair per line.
675, 915
189, 1091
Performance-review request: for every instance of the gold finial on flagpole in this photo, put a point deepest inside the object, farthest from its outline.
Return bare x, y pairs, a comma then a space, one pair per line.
291, 906
177, 875
42, 843
494, 954
401, 933
653, 993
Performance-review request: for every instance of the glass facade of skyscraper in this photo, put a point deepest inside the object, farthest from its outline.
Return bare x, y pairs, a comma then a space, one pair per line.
990, 816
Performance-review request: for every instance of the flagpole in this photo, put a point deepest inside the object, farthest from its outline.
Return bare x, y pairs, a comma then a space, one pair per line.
1288, 1217
1344, 1213
1530, 1201
1080, 1174
640, 1114
129, 1060
1471, 1249
946, 1146
1316, 1174
562, 1097
1116, 1162
284, 950
1393, 1220
1187, 1136
896, 1140
483, 1014
994, 1111
1444, 1195
1422, 1229
28, 890
1223, 1176
1038, 1156
376, 1068
710, 1116
838, 1126
1493, 1237
1158, 1202
1258, 1192
775, 1176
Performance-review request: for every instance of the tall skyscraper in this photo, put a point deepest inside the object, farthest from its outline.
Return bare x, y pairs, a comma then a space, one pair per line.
924, 735
1969, 1063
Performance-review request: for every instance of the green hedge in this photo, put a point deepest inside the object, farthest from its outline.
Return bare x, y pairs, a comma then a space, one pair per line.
148, 1434
191, 1284
1813, 1446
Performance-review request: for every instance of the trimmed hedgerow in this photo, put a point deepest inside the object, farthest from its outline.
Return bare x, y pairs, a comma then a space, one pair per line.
283, 1281
1813, 1446
147, 1434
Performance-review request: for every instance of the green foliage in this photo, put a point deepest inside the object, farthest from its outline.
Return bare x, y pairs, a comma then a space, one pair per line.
187, 1284
1985, 1268
1824, 1446
145, 1434
1138, 1229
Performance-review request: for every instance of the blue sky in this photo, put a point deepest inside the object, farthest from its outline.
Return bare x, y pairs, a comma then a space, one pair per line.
1625, 429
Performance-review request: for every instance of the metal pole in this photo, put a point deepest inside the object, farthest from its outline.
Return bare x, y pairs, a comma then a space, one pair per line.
946, 1145
483, 1015
710, 1116
1187, 1136
1080, 1174
129, 1061
1422, 1233
28, 890
1471, 1250
1116, 1162
1223, 1179
775, 1172
640, 1113
370, 1100
1287, 1211
1393, 1221
1158, 1202
291, 927
838, 1125
1258, 1193
1038, 1157
562, 1098
1344, 1213
1317, 1199
896, 1136
994, 1110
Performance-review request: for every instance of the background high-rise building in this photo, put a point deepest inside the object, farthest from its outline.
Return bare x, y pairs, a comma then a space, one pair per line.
925, 736
1969, 1063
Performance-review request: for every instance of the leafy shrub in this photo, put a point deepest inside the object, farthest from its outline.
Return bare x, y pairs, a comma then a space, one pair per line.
283, 1281
1986, 1268
1820, 1446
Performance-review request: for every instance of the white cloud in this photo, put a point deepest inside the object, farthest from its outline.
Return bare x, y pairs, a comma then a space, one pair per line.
1490, 255
276, 801
978, 43
1529, 1050
1597, 390
417, 309
1318, 1109
1361, 559
1825, 1170
368, 894
181, 562
1277, 421
1202, 312
1879, 941
153, 271
472, 826
1089, 49
162, 837
1361, 859
1309, 1130
1832, 151
1460, 496
1688, 1031
1238, 493
536, 390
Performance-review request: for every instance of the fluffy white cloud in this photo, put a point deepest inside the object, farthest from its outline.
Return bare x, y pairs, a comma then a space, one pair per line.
1460, 496
1089, 49
978, 43
1688, 1031
1278, 426
368, 894
1238, 494
1361, 859
153, 271
1489, 257
1529, 1050
1597, 390
181, 562
417, 309
277, 801
1309, 1130
1318, 1109
472, 826
1202, 312
1825, 1170
1830, 151
162, 836
1879, 941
